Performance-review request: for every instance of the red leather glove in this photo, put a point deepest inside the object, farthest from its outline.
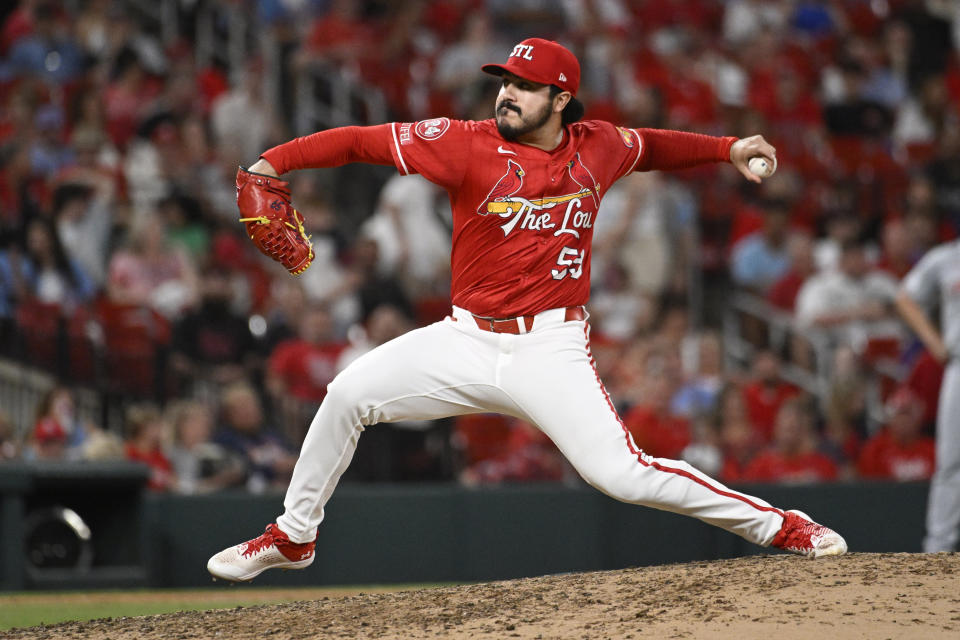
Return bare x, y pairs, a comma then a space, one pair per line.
275, 227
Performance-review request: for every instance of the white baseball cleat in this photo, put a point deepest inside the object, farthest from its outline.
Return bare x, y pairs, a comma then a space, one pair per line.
800, 534
272, 550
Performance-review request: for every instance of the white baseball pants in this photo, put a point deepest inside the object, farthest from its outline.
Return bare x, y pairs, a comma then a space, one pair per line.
546, 377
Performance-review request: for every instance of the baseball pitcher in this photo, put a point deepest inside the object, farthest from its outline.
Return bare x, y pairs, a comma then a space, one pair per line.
524, 187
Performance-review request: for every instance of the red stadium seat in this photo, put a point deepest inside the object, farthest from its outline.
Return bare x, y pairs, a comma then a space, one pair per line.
38, 325
134, 338
481, 436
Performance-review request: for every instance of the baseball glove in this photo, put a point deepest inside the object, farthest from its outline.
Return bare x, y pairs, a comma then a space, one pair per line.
275, 227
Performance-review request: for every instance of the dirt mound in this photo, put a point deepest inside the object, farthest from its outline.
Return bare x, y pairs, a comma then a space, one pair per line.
871, 596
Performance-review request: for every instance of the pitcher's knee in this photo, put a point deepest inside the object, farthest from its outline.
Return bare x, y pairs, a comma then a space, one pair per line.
349, 395
614, 481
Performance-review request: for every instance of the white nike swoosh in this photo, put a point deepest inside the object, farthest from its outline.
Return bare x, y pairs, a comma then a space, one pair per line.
502, 150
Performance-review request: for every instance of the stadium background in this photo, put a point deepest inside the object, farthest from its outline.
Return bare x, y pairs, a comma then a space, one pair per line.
138, 323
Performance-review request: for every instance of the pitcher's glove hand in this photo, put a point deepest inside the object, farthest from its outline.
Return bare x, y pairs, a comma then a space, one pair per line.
275, 227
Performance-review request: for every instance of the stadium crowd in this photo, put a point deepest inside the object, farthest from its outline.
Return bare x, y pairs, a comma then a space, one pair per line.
122, 265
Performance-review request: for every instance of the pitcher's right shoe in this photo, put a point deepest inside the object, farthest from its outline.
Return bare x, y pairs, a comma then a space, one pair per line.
800, 534
272, 550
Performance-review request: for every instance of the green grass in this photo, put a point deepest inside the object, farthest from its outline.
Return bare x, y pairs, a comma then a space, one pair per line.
31, 615
30, 609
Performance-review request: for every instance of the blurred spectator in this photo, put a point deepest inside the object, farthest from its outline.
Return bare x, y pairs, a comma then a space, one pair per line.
655, 429
792, 457
51, 276
643, 224
457, 63
697, 395
375, 288
83, 211
9, 443
851, 109
409, 227
385, 323
851, 304
47, 51
783, 293
900, 451
922, 215
738, 440
268, 459
58, 432
897, 252
213, 343
619, 310
765, 393
704, 451
17, 24
146, 434
49, 441
48, 153
299, 370
327, 281
42, 272
287, 300
760, 259
923, 117
182, 216
303, 366
200, 465
149, 272
530, 456
925, 377
944, 178
242, 122
128, 97
339, 36
845, 412
20, 193
744, 20
842, 228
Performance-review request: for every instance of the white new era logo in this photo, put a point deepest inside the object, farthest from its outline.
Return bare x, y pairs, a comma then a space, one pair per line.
563, 78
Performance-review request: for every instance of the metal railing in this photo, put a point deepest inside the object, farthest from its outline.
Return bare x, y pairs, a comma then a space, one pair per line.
325, 95
779, 329
329, 96
22, 388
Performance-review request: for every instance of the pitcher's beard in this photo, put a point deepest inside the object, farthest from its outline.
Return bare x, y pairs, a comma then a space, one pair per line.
527, 123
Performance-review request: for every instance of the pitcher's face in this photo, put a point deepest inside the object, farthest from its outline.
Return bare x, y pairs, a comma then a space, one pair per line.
522, 106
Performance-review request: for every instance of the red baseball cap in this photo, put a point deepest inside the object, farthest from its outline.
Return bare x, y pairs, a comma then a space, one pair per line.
905, 398
48, 430
541, 61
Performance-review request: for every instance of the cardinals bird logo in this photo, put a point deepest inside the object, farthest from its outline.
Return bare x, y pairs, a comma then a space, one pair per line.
584, 179
506, 186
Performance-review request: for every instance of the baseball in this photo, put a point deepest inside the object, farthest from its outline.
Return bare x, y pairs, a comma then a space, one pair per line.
759, 166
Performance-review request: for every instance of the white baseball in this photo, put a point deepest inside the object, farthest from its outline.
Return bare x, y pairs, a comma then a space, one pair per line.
759, 166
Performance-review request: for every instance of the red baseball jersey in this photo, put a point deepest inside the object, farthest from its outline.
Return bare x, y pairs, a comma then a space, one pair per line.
884, 457
522, 217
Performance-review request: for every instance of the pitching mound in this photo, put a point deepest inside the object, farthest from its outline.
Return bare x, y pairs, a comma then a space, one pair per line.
871, 596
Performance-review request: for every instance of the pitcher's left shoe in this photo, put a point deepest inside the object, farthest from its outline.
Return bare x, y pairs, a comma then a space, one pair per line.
800, 534
272, 550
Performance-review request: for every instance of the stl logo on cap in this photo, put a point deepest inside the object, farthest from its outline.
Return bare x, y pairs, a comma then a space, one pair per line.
541, 61
524, 51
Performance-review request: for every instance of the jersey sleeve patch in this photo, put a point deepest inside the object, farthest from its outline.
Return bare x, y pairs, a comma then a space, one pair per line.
627, 136
433, 128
